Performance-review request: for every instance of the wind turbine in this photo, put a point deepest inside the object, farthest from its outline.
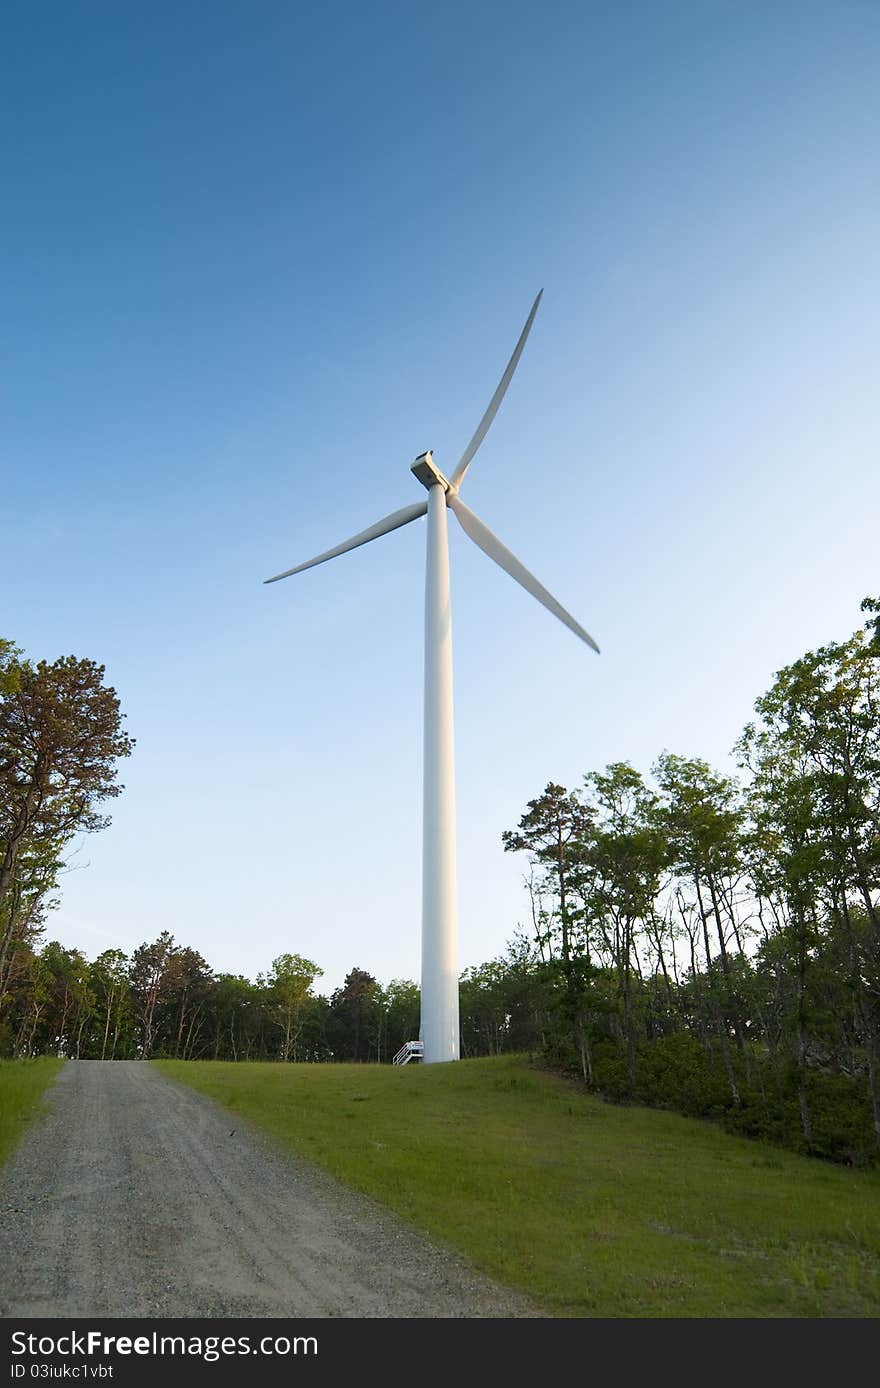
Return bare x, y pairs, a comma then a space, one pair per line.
439, 997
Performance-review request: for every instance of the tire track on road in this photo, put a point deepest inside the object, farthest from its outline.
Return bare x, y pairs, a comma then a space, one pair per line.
130, 1196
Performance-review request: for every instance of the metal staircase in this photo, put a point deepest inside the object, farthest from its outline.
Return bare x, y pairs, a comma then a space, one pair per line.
410, 1050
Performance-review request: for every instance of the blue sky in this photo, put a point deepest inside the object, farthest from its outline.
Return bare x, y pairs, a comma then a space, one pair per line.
257, 257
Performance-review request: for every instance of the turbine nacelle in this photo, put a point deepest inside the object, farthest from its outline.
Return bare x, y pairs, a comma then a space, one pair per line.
428, 473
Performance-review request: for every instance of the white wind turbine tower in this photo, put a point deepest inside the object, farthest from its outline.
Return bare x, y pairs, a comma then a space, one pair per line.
439, 998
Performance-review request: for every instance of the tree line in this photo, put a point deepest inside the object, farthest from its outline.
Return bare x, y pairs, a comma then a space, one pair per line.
164, 1000
714, 944
696, 940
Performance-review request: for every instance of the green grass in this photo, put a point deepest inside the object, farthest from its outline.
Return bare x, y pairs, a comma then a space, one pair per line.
22, 1083
592, 1209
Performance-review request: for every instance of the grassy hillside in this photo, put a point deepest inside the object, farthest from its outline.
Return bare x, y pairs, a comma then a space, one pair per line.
22, 1083
593, 1209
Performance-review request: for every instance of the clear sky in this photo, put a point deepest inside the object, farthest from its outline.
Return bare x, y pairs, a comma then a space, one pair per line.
257, 256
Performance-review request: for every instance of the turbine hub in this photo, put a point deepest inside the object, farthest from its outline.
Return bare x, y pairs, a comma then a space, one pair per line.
428, 473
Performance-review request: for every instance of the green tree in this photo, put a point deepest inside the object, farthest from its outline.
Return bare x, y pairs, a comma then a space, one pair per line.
550, 832
554, 832
623, 864
151, 980
188, 983
60, 739
353, 1007
234, 1006
872, 625
402, 1002
701, 816
109, 981
69, 998
814, 752
289, 985
484, 995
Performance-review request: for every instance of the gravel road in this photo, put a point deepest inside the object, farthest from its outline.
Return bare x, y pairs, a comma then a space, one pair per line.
133, 1196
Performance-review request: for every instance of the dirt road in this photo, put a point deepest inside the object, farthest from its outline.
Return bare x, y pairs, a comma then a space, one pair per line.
132, 1196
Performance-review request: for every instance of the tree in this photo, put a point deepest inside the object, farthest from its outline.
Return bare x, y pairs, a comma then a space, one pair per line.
353, 1007
401, 1001
27, 904
233, 1002
702, 819
109, 979
485, 1008
553, 831
549, 831
290, 986
69, 997
60, 738
623, 865
815, 756
151, 980
872, 625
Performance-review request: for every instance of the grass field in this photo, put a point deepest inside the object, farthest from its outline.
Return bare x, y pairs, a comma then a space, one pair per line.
22, 1083
594, 1210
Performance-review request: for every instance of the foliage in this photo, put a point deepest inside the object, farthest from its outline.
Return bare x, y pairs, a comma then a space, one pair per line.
61, 736
289, 987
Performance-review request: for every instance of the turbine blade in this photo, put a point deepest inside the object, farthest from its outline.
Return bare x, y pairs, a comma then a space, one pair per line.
483, 538
483, 426
382, 527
